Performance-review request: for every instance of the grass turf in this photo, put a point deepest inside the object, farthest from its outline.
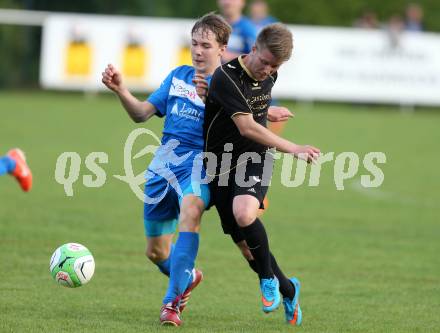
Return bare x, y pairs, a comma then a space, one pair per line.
368, 259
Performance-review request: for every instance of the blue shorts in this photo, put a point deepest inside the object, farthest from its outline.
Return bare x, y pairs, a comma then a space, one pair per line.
163, 198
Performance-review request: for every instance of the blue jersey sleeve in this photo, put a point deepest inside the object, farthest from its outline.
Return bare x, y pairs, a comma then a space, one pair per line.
159, 98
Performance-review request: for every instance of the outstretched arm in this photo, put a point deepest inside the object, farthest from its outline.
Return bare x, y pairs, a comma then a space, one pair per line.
254, 131
137, 110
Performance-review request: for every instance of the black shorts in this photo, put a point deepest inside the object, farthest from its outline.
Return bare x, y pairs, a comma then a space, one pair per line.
253, 179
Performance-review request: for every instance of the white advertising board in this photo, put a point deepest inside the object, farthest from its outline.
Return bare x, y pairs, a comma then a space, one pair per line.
338, 64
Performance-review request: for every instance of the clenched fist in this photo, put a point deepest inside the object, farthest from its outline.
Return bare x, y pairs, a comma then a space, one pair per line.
112, 78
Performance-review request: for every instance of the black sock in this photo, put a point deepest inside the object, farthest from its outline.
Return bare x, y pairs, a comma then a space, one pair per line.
286, 286
256, 239
253, 264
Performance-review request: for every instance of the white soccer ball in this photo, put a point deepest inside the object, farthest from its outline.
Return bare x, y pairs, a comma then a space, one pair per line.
72, 265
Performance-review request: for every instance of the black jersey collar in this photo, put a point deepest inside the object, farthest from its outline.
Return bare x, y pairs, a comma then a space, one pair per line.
240, 60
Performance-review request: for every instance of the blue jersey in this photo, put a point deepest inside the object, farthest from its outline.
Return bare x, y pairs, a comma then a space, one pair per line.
184, 112
243, 36
170, 173
263, 22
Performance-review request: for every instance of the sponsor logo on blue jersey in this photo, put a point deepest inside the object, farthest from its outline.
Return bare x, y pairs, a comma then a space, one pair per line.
180, 88
183, 110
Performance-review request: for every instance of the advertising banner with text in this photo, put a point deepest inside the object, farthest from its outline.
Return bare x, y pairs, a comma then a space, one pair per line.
333, 64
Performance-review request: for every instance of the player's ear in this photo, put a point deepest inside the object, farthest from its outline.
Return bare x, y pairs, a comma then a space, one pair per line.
222, 49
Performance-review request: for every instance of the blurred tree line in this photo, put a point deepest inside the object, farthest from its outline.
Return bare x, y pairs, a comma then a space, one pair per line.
20, 46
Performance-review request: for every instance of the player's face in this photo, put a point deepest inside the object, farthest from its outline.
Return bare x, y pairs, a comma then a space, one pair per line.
262, 63
258, 10
205, 51
231, 7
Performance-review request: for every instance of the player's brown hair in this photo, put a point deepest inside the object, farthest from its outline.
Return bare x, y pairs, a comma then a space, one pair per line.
277, 39
215, 23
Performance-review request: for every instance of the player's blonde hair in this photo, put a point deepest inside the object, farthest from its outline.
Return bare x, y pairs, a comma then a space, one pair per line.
277, 39
215, 23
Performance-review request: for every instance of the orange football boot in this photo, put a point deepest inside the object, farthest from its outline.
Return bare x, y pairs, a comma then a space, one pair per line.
21, 172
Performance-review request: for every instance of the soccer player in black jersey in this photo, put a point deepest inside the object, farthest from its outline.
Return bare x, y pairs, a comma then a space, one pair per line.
235, 132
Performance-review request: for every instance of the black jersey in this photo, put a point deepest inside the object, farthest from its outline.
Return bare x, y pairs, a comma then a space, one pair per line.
233, 91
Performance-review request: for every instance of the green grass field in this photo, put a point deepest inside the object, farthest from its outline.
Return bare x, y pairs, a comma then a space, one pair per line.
368, 259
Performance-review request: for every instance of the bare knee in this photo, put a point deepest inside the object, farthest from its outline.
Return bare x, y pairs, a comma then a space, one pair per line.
245, 209
190, 215
244, 216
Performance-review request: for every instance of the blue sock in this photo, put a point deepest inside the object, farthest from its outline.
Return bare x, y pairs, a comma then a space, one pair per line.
182, 264
165, 265
7, 165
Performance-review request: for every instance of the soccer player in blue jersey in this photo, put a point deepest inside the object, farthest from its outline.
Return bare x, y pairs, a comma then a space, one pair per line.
244, 32
14, 163
177, 100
